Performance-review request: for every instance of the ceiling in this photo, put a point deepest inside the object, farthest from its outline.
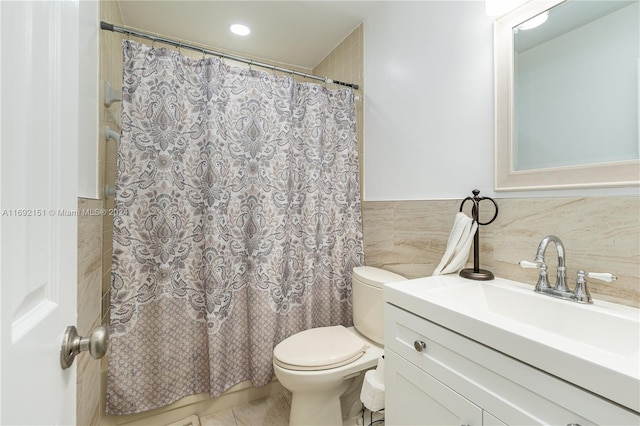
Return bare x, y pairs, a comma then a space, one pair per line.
300, 33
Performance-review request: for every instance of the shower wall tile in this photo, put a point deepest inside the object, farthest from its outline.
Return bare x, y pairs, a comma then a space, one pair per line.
88, 311
88, 390
94, 233
345, 63
110, 71
600, 234
89, 264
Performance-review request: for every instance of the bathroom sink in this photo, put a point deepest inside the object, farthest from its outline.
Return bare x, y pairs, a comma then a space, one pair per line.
591, 325
595, 346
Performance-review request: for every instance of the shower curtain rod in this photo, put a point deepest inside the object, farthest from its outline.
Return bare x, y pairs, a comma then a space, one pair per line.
179, 44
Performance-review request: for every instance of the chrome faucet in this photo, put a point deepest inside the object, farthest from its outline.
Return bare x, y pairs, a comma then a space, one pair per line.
561, 280
581, 292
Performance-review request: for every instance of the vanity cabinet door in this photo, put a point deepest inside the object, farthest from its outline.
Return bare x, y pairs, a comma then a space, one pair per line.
413, 397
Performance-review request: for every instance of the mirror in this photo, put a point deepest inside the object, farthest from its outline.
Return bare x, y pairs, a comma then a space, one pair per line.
567, 95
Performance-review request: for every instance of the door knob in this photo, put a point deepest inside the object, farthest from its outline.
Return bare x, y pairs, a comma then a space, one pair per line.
96, 343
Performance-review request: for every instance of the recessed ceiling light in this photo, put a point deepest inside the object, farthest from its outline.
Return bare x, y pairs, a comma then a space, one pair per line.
239, 29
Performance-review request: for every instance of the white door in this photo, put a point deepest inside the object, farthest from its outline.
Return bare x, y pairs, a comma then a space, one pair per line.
38, 231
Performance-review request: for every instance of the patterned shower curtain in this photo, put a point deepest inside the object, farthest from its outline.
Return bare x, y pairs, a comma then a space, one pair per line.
238, 224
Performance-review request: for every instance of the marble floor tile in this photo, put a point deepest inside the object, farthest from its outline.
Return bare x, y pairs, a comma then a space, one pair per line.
188, 421
220, 418
270, 411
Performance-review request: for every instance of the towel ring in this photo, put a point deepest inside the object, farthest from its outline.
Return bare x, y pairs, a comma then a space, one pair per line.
476, 202
476, 273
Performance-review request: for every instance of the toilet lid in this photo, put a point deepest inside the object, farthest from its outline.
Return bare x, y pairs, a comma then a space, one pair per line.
319, 349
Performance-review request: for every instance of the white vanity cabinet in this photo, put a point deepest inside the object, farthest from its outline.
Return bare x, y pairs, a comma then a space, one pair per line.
435, 376
419, 399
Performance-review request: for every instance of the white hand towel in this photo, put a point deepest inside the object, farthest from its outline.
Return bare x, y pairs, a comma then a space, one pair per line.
458, 246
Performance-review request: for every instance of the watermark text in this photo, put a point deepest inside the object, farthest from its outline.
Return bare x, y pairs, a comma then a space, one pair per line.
62, 212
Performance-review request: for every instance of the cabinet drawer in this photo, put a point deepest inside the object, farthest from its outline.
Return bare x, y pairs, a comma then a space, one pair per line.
514, 392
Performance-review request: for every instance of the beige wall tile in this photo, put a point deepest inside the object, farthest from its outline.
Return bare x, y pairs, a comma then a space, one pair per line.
88, 386
93, 240
345, 64
89, 308
600, 234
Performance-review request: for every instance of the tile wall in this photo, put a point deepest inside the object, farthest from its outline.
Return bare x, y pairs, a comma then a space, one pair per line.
600, 234
111, 72
88, 315
345, 63
94, 235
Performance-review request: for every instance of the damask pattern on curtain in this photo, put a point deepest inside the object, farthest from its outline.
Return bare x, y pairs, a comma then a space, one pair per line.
239, 225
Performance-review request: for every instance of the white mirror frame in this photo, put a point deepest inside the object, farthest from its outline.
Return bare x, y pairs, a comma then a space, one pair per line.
597, 175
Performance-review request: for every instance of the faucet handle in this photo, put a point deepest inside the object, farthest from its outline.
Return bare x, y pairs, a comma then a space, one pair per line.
526, 264
543, 282
602, 276
581, 292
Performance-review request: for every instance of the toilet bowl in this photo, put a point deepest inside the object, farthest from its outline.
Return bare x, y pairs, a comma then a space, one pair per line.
319, 365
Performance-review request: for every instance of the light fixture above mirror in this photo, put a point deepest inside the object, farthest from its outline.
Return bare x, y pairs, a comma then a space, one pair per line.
534, 22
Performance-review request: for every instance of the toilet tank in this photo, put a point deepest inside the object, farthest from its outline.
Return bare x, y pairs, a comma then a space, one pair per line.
368, 305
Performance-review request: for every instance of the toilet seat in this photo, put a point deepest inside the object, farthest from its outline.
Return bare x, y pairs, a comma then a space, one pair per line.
319, 348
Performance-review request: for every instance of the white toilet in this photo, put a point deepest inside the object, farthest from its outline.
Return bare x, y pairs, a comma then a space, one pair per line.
319, 365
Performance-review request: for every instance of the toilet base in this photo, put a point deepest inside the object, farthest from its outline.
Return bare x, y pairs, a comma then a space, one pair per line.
318, 408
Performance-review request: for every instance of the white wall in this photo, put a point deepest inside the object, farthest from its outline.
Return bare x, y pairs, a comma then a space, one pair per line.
428, 100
